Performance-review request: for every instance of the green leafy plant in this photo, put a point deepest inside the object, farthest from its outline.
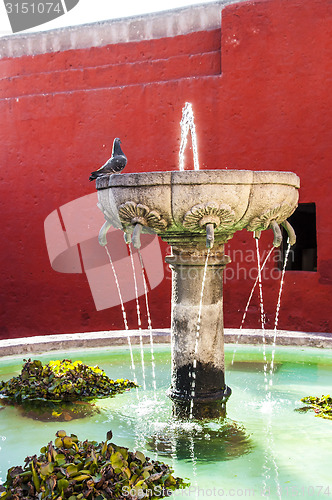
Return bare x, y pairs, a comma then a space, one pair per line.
61, 381
322, 406
75, 470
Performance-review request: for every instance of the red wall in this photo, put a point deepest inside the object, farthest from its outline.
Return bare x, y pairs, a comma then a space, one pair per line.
261, 93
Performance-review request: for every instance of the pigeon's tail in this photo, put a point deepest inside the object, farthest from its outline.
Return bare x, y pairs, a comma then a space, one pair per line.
94, 175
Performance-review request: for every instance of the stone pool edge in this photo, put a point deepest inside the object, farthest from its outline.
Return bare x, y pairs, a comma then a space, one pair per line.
49, 343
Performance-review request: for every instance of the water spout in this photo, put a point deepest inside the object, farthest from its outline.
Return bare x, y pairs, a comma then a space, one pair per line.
102, 237
136, 237
209, 235
290, 232
127, 238
277, 233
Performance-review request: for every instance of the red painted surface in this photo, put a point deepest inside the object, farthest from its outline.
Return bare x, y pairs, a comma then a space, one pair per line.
261, 93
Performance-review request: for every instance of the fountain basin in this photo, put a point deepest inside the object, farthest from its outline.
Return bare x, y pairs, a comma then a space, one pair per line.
179, 205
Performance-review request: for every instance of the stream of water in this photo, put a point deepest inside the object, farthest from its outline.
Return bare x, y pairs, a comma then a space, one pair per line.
193, 374
262, 314
188, 124
260, 285
248, 303
149, 322
139, 322
123, 314
276, 319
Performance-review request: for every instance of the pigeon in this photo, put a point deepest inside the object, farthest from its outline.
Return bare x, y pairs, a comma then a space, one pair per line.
115, 164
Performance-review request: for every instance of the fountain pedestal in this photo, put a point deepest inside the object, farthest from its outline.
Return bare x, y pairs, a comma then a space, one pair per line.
198, 369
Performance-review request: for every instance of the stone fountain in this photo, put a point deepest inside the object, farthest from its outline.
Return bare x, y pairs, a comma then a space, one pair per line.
197, 212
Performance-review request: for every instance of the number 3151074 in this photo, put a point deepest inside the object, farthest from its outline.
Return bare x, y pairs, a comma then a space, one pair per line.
33, 7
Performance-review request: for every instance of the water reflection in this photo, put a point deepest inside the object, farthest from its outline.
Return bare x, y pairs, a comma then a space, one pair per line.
212, 441
48, 411
251, 366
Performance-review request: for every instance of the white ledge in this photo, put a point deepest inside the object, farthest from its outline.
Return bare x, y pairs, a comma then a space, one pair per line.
168, 23
48, 343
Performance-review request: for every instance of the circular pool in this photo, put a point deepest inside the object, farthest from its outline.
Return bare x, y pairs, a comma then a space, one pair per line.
263, 447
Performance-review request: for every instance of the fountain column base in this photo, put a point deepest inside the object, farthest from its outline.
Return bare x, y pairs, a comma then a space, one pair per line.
200, 410
198, 382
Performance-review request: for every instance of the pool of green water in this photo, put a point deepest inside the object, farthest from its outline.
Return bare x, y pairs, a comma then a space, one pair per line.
263, 449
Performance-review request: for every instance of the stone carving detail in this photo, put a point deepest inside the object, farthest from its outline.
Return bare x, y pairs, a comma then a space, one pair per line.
110, 217
279, 213
221, 216
132, 213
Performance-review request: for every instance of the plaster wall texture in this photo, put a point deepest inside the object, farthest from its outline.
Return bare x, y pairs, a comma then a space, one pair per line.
258, 75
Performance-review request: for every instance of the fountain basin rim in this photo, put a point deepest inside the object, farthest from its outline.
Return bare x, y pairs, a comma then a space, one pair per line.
197, 177
28, 346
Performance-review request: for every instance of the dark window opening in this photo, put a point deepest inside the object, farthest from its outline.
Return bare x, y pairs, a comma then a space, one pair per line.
303, 255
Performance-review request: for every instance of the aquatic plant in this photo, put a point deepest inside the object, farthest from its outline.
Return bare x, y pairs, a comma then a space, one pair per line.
321, 405
75, 470
61, 381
